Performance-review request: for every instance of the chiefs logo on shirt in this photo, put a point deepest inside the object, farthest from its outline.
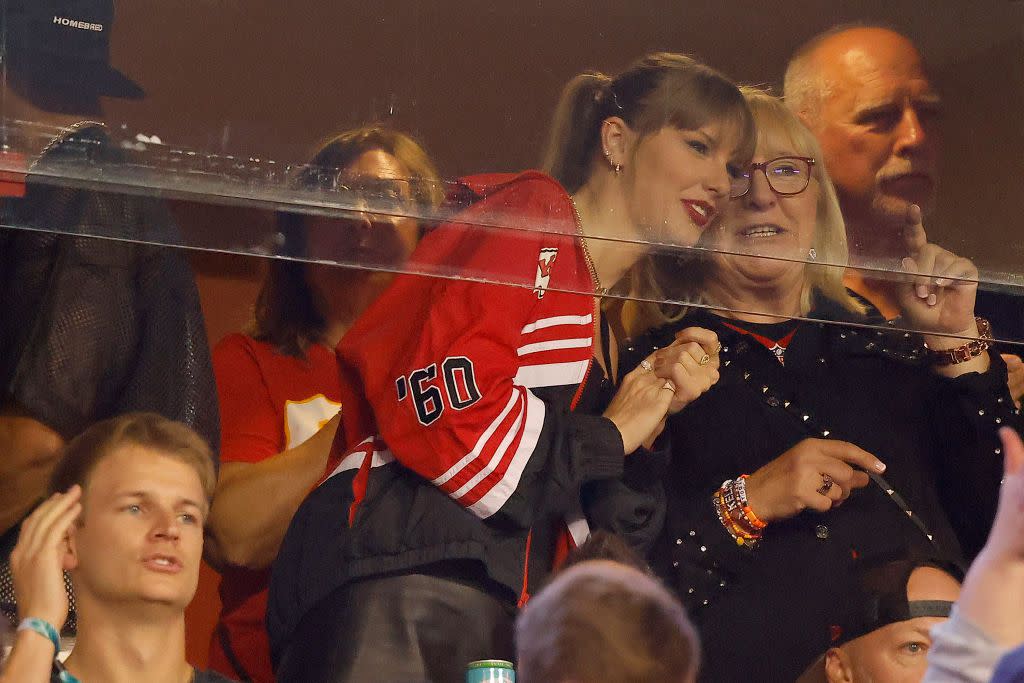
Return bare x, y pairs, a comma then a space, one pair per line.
545, 263
305, 418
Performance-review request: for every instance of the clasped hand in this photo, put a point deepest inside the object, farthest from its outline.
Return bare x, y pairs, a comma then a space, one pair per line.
664, 383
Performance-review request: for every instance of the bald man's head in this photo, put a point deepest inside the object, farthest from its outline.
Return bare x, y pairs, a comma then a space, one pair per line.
865, 94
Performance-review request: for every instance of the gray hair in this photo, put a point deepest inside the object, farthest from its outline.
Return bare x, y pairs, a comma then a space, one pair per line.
804, 86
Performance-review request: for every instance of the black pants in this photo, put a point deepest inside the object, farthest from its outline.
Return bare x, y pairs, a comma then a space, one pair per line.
410, 628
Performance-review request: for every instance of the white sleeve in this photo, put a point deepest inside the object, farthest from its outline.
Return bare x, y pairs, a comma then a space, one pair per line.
961, 653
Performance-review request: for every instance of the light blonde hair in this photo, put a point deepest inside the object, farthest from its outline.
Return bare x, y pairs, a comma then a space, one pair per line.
778, 124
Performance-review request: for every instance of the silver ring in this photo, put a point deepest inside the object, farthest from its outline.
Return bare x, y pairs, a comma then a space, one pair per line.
646, 365
826, 484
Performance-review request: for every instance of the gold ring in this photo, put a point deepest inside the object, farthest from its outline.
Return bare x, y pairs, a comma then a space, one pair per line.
704, 360
646, 365
668, 385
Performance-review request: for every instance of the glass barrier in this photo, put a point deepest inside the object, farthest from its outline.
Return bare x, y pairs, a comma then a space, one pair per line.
272, 203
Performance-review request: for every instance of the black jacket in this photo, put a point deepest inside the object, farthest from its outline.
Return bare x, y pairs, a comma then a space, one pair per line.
411, 526
414, 527
765, 614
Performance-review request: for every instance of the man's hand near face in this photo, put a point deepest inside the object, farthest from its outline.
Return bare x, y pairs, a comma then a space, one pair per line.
38, 562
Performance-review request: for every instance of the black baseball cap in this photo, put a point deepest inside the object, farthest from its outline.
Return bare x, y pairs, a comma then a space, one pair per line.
874, 596
877, 597
59, 50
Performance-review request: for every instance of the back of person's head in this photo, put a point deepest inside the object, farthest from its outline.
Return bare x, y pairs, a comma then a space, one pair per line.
172, 439
661, 89
286, 313
604, 545
604, 622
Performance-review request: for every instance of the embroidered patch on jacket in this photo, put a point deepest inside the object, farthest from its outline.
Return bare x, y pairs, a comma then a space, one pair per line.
545, 263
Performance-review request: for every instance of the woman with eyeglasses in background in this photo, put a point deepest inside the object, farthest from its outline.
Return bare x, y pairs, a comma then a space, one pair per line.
809, 410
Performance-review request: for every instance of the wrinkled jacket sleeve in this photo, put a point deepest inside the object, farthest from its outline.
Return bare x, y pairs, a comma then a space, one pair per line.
966, 414
632, 506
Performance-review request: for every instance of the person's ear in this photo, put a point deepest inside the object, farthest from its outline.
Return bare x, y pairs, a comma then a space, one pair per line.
617, 140
70, 547
838, 668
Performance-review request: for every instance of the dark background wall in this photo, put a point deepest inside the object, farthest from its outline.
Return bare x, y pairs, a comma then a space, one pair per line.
476, 81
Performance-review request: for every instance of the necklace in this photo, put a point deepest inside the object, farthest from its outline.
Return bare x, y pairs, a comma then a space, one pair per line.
61, 136
586, 251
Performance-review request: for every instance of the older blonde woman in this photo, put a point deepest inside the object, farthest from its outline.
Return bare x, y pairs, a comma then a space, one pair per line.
852, 438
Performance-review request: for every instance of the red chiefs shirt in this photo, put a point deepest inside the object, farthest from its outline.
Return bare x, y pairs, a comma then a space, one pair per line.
269, 403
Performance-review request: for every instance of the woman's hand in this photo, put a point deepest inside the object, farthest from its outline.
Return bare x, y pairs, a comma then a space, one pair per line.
939, 296
37, 561
799, 478
664, 382
639, 407
690, 362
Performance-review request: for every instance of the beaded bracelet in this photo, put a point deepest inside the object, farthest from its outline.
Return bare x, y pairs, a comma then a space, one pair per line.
724, 521
755, 521
734, 496
735, 515
725, 518
734, 524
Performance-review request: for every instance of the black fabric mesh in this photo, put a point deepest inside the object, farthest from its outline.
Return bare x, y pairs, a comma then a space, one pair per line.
91, 328
96, 327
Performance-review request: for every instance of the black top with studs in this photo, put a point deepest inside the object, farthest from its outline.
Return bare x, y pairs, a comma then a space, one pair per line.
764, 613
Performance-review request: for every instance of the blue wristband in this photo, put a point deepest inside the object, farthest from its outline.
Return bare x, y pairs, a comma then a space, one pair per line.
43, 628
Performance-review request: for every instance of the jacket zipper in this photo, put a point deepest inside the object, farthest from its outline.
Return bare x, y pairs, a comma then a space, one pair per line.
524, 595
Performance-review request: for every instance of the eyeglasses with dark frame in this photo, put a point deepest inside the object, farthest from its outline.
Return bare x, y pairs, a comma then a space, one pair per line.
786, 176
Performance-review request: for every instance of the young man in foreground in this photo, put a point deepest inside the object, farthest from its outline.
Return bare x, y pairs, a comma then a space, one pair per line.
126, 519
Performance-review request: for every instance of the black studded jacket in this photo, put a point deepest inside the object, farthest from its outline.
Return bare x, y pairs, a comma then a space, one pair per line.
766, 613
